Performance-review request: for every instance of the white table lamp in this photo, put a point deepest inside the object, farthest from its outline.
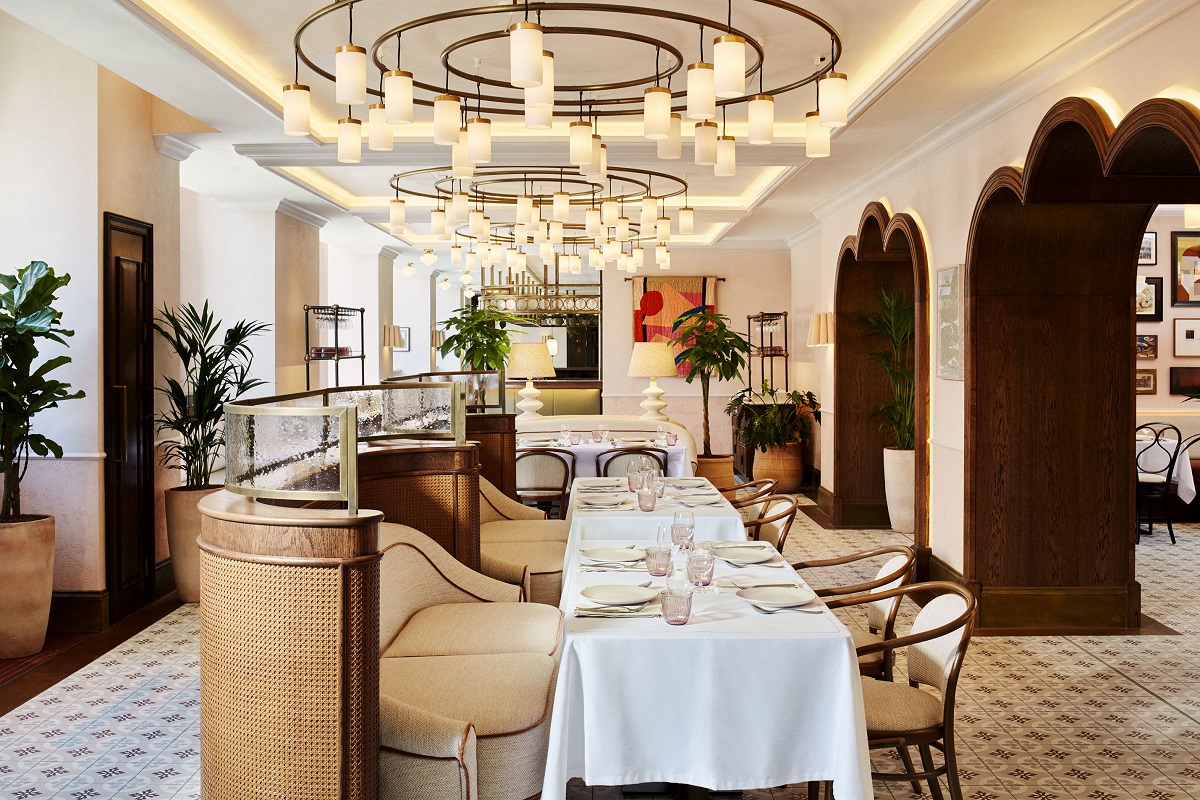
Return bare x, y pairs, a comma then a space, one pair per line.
652, 360
529, 360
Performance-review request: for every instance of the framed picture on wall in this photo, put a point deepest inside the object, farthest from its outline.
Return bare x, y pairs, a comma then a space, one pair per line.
1145, 381
1148, 254
405, 341
1185, 268
1146, 345
1148, 299
949, 323
1187, 338
1185, 380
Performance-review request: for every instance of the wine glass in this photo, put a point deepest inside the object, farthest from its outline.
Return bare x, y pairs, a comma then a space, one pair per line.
683, 530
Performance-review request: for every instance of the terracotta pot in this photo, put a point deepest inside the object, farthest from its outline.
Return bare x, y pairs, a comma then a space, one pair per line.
26, 583
899, 483
718, 469
183, 528
785, 465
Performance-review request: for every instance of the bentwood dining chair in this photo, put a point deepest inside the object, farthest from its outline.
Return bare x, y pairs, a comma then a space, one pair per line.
881, 614
750, 498
900, 716
544, 477
614, 461
775, 522
1156, 448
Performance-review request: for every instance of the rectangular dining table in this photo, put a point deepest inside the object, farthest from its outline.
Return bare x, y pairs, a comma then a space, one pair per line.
678, 464
718, 522
734, 699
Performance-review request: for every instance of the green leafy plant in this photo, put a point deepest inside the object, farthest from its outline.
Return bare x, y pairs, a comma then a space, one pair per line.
895, 323
711, 349
771, 418
480, 336
27, 314
215, 372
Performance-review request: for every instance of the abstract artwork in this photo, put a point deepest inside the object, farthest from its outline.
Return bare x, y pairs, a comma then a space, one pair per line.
1148, 299
949, 323
658, 302
1146, 345
1185, 269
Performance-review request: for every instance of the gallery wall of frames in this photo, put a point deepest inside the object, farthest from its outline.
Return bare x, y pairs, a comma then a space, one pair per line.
1167, 297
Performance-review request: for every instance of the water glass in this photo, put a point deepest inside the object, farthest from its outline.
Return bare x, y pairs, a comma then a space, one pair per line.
646, 498
683, 530
700, 567
677, 603
663, 539
672, 439
635, 476
564, 434
658, 560
597, 436
661, 437
659, 483
575, 437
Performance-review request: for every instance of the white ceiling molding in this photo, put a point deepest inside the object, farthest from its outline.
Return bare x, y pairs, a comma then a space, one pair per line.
296, 211
1110, 33
172, 146
392, 252
803, 235
248, 203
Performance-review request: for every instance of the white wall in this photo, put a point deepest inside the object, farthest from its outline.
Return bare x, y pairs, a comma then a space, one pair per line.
410, 309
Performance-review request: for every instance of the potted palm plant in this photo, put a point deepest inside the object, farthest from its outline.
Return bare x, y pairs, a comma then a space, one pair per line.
27, 316
777, 424
711, 349
481, 338
215, 372
895, 324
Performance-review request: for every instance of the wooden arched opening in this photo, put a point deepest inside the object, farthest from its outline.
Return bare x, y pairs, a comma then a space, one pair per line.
1050, 272
887, 253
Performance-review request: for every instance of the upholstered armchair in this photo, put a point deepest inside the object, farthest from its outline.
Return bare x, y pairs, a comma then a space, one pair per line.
518, 543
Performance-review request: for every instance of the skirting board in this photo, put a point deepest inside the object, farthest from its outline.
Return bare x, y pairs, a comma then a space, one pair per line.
83, 612
852, 513
1075, 608
164, 579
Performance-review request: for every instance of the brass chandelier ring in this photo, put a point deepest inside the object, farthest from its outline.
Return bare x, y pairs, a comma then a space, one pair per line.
643, 180
573, 234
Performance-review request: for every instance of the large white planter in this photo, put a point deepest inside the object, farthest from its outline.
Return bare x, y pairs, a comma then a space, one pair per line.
899, 480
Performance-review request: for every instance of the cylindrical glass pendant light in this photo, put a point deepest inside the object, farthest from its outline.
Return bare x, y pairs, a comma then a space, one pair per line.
672, 147
461, 204
379, 130
475, 224
525, 54
660, 253
396, 216
398, 96
591, 221
705, 139
639, 256
701, 94
687, 221
663, 229
609, 211
622, 262
546, 251
649, 211
349, 140
521, 234
350, 75
630, 267
603, 163
594, 260
729, 65
581, 142
523, 261
535, 213
666, 262
611, 250
485, 252
592, 168
562, 206
556, 232
446, 118
524, 209
479, 140
470, 261
538, 118
623, 229
486, 236
816, 136
456, 255
539, 232
297, 109
726, 166
437, 222
461, 167
762, 119
542, 95
656, 113
510, 257
834, 99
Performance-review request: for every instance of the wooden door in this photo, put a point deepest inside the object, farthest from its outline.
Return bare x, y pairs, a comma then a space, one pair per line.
128, 413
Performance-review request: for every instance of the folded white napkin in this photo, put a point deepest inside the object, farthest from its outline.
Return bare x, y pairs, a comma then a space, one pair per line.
602, 611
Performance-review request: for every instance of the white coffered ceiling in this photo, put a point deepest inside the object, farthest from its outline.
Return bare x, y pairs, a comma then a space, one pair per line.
915, 67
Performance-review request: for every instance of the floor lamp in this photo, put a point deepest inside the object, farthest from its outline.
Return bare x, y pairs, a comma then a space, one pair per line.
529, 360
652, 360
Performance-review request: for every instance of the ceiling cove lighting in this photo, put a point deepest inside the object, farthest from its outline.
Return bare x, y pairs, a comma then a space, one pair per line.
530, 88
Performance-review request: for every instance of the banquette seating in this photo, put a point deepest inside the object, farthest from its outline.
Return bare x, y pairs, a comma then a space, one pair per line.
518, 544
466, 677
616, 424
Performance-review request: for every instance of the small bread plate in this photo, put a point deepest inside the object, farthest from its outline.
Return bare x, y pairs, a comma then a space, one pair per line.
619, 595
743, 556
615, 555
777, 596
603, 500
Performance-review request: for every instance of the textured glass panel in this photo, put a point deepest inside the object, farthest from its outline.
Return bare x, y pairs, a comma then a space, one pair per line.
482, 388
370, 408
400, 410
281, 452
308, 401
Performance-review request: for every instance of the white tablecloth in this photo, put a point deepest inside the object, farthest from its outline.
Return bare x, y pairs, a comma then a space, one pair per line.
718, 523
1185, 482
678, 465
732, 700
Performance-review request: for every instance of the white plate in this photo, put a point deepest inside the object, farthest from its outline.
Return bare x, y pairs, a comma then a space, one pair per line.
536, 444
777, 596
632, 443
603, 500
619, 595
688, 483
743, 555
621, 555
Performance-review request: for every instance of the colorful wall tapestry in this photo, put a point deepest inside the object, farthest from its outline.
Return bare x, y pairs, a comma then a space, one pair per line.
658, 302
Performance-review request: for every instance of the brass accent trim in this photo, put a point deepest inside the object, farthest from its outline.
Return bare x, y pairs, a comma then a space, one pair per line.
397, 73
300, 87
351, 48
523, 25
700, 65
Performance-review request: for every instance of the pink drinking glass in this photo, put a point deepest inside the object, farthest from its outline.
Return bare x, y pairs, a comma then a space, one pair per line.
575, 437
677, 604
597, 436
672, 439
700, 565
658, 560
646, 498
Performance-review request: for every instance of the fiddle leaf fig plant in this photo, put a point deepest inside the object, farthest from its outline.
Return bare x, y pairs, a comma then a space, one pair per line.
710, 349
27, 315
480, 336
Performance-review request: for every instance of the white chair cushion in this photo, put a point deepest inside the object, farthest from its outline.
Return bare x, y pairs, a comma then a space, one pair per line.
1151, 477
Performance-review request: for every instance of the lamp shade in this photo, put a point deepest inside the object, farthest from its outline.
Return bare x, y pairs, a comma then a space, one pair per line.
525, 54
656, 113
297, 108
705, 138
820, 330
350, 75
529, 360
816, 139
398, 96
652, 360
1191, 216
671, 147
835, 99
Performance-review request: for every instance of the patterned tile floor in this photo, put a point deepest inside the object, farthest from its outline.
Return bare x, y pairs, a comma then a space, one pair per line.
1039, 718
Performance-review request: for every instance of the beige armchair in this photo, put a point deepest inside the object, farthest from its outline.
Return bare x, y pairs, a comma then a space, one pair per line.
518, 543
466, 677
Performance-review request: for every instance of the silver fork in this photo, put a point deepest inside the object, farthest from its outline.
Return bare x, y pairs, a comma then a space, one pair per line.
762, 610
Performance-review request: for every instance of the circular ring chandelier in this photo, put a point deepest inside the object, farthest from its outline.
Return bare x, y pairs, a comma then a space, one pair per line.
535, 92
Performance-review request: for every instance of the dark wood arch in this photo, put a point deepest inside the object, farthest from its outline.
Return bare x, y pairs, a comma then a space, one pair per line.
886, 252
1050, 266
